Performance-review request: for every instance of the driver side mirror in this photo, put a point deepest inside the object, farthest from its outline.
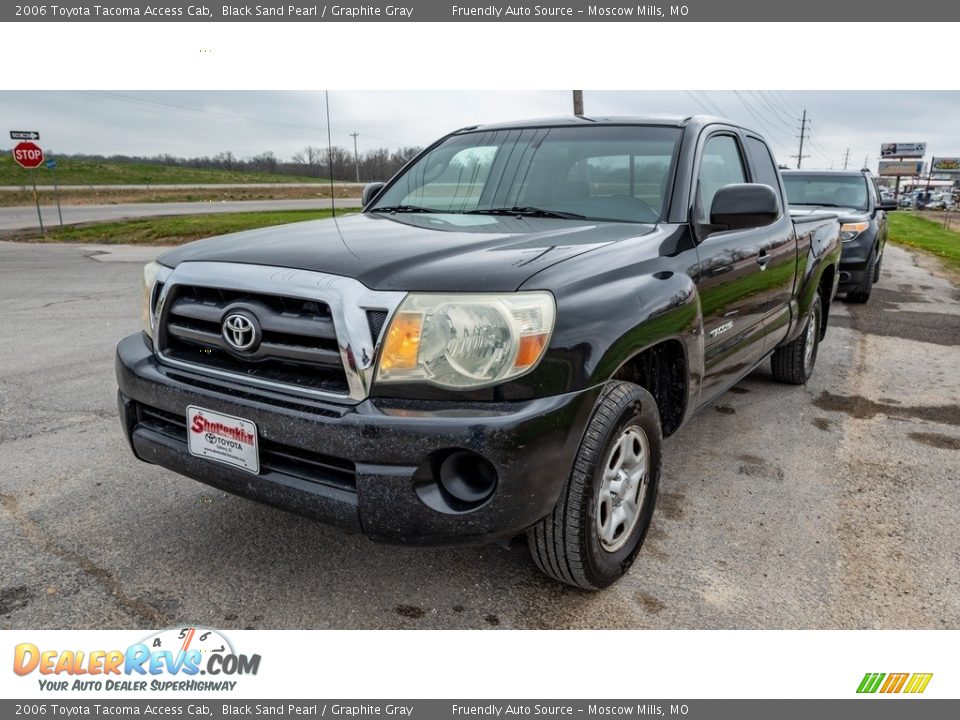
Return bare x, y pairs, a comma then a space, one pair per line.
370, 192
887, 205
743, 206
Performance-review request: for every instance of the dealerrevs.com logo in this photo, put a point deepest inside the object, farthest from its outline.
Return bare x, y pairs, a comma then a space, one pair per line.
910, 683
178, 659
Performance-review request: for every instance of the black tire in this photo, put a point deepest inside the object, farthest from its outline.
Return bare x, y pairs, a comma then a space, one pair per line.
862, 293
566, 544
876, 272
791, 363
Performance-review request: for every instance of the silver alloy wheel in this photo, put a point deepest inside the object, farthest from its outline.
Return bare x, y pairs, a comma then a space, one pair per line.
623, 489
810, 343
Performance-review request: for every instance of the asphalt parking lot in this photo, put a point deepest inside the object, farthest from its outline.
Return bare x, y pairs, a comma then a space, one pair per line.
835, 505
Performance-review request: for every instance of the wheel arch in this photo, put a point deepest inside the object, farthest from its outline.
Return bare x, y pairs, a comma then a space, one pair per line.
662, 369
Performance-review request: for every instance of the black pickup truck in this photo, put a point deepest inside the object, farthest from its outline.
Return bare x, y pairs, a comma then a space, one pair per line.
496, 345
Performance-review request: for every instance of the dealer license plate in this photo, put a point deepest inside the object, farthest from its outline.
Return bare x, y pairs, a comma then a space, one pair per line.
223, 438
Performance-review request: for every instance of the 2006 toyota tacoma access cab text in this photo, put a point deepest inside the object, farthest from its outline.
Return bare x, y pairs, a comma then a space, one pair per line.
496, 345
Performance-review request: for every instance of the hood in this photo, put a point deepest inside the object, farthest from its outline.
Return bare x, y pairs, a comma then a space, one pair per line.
422, 252
844, 214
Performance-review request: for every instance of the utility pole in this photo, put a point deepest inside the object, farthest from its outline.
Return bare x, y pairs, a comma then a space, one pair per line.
803, 134
578, 102
846, 159
356, 156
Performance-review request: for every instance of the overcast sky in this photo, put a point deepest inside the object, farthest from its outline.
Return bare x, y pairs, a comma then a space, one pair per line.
247, 123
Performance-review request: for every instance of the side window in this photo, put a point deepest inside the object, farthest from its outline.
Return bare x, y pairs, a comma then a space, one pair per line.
720, 165
874, 191
767, 173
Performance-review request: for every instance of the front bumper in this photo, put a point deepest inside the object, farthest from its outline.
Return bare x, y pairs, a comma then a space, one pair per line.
364, 467
855, 260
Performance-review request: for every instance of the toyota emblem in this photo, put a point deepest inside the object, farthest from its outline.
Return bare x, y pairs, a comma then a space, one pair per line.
240, 332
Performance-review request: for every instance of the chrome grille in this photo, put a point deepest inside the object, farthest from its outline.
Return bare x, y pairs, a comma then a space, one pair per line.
298, 346
317, 333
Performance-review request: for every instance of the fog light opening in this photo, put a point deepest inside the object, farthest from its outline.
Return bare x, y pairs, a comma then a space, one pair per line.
468, 477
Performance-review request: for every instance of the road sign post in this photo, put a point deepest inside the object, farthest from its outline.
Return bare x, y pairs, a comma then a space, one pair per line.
52, 167
36, 199
29, 156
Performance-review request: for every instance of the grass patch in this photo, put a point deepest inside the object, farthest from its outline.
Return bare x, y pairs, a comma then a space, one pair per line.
908, 229
72, 171
167, 230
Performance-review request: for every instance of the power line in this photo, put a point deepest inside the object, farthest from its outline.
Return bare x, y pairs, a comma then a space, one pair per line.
120, 97
776, 98
763, 126
772, 113
200, 111
823, 150
697, 101
712, 102
790, 106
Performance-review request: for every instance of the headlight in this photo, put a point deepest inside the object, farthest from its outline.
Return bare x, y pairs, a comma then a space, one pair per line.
848, 231
148, 281
466, 341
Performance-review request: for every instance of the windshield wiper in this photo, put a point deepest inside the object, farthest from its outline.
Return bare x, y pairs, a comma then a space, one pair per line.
528, 212
404, 209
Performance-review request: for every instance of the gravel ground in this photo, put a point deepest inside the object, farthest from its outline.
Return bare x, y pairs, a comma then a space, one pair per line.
833, 505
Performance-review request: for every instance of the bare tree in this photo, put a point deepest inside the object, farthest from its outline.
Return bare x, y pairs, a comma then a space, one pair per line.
311, 159
264, 162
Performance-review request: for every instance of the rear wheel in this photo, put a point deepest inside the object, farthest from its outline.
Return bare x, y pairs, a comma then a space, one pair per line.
596, 529
793, 363
862, 293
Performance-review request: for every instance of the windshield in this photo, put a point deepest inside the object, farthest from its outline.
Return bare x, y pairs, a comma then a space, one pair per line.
604, 172
848, 191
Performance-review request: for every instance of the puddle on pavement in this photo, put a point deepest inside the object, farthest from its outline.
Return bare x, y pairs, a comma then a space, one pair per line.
936, 440
862, 409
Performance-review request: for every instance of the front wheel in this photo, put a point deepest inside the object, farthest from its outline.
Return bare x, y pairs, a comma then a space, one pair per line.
596, 529
793, 363
862, 293
876, 272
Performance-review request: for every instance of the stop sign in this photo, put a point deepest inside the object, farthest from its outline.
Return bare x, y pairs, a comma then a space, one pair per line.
28, 155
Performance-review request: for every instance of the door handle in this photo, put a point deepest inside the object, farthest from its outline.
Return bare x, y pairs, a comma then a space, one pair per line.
762, 259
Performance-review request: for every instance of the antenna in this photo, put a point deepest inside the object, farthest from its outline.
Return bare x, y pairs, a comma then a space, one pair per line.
333, 205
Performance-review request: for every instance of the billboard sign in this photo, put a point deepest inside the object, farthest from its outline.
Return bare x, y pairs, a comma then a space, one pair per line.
900, 168
945, 165
903, 150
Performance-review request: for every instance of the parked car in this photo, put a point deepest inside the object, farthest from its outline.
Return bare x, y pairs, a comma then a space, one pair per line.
496, 345
940, 201
905, 202
854, 196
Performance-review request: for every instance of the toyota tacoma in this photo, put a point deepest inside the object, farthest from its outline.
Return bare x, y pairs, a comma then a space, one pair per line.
496, 345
